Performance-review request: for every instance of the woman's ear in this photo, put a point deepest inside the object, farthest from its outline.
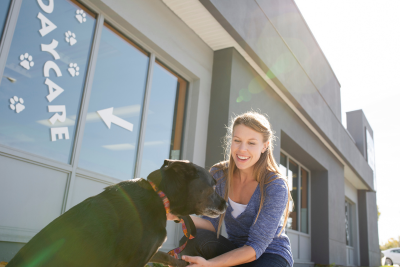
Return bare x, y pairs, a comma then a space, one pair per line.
265, 148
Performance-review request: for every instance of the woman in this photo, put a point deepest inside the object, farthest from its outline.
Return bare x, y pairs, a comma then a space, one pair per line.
258, 198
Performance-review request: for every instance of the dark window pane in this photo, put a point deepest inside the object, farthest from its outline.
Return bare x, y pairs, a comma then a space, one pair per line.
293, 176
29, 119
347, 208
283, 167
304, 201
164, 123
119, 83
4, 5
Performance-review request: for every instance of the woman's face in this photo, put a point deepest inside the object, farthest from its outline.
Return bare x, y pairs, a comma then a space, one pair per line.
247, 146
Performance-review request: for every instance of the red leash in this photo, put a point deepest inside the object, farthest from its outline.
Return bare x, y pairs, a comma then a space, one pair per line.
174, 252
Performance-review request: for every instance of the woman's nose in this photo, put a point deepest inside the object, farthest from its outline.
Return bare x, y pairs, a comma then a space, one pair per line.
242, 147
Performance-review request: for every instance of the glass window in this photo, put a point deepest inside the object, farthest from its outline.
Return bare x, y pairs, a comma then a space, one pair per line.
4, 5
293, 176
46, 69
348, 216
304, 201
164, 123
298, 186
114, 115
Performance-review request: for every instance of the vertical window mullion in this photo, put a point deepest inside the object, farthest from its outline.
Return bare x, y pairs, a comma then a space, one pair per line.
8, 33
299, 198
146, 101
309, 202
87, 89
80, 127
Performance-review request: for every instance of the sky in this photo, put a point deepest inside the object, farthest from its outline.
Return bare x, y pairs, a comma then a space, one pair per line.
361, 40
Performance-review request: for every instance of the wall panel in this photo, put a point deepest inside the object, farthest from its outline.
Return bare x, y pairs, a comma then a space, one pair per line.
32, 197
84, 188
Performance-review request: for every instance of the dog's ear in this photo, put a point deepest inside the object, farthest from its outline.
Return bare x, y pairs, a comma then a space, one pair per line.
178, 168
166, 163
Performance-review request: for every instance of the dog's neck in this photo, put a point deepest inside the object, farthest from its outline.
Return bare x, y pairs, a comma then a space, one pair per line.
163, 197
156, 177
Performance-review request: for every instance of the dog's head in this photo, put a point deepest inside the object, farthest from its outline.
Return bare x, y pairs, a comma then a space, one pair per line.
189, 188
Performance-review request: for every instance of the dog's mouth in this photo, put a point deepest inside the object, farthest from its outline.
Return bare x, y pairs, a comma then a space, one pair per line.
212, 212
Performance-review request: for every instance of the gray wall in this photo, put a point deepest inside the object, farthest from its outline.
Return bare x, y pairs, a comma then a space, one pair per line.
368, 229
249, 24
288, 21
356, 125
327, 198
220, 95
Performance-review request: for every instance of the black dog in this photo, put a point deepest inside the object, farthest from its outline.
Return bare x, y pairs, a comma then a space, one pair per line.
125, 224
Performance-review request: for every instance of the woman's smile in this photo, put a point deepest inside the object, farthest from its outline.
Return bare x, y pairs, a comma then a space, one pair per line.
242, 158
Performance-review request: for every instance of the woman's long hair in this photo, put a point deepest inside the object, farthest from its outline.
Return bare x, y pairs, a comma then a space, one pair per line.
265, 169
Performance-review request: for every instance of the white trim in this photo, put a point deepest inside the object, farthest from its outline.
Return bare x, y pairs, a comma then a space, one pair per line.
299, 194
296, 161
31, 158
295, 232
16, 234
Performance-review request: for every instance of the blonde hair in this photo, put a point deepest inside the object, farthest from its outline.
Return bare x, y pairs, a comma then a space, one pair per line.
264, 169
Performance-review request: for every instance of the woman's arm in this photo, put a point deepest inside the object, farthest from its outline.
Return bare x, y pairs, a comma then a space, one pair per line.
235, 257
198, 222
202, 223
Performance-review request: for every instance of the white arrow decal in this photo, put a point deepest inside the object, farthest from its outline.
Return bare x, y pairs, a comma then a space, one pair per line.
108, 118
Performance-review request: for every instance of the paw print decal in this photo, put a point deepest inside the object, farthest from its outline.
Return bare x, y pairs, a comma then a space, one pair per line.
70, 38
26, 61
17, 104
80, 16
73, 69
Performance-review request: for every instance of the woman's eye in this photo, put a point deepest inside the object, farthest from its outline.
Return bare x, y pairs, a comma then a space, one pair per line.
252, 143
237, 141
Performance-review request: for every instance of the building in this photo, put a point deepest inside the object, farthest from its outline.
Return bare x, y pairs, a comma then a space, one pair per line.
98, 91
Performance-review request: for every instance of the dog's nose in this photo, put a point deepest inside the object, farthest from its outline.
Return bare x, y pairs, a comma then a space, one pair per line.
223, 206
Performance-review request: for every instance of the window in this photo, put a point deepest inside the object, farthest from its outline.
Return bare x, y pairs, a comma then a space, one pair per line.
304, 200
292, 175
46, 69
44, 81
118, 88
4, 5
298, 180
348, 218
164, 120
113, 130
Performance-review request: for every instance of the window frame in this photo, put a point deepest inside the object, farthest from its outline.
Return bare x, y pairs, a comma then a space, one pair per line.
300, 166
352, 220
72, 168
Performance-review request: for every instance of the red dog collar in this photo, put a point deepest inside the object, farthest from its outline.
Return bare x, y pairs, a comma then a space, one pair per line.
174, 253
162, 195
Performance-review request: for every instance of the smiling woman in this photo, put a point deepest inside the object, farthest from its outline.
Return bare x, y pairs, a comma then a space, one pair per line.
259, 203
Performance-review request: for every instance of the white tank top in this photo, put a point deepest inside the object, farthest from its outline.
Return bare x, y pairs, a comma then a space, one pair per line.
237, 208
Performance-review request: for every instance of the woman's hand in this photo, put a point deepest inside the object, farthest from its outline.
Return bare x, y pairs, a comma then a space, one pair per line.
196, 261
